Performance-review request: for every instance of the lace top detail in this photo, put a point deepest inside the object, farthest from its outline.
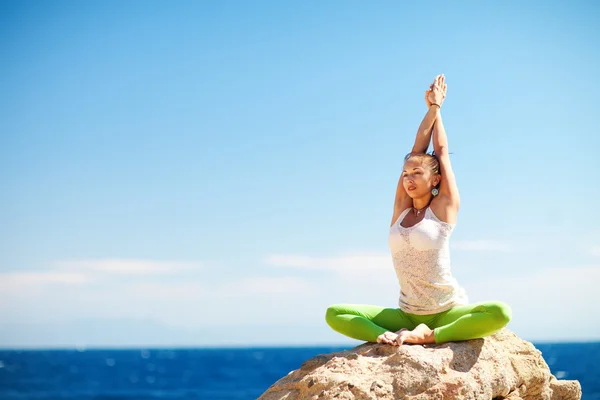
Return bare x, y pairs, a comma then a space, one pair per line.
421, 258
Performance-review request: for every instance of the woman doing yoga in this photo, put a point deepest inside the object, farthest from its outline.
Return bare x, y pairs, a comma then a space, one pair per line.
433, 307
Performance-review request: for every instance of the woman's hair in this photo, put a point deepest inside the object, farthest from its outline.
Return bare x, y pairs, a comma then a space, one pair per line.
430, 161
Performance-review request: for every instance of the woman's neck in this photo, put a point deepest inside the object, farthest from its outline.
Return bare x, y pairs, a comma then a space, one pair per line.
421, 202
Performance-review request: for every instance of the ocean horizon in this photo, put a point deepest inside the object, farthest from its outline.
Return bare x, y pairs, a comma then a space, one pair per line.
220, 373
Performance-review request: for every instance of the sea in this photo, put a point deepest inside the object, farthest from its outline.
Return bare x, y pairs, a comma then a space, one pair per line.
210, 373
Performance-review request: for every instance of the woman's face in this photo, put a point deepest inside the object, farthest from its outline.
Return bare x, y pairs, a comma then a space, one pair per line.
417, 179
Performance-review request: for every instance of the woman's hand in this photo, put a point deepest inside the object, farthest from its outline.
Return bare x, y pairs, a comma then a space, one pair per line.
427, 95
437, 92
388, 338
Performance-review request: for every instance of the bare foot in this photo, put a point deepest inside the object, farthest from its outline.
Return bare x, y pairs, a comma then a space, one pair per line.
420, 335
387, 338
390, 337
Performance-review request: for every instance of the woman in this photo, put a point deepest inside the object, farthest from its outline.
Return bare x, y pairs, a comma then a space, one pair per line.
433, 307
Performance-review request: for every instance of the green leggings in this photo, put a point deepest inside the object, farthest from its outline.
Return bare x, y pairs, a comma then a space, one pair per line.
367, 322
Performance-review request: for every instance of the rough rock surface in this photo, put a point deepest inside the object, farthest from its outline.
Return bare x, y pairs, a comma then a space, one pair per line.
500, 366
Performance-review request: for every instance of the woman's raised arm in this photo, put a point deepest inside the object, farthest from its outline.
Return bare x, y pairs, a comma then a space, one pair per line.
448, 188
402, 199
424, 132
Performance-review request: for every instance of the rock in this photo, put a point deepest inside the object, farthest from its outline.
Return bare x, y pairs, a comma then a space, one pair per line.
500, 366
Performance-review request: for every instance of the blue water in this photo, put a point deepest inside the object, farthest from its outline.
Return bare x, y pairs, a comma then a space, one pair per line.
205, 373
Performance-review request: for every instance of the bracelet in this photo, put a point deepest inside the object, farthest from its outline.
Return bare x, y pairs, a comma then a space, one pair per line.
434, 104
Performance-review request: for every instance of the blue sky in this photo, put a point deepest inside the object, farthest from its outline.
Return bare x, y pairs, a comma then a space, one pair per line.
218, 173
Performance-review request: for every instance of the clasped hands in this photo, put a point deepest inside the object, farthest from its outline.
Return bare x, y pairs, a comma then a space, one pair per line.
436, 92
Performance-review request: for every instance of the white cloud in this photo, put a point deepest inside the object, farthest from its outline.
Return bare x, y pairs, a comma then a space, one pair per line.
79, 287
354, 262
358, 277
482, 245
129, 266
198, 291
185, 301
541, 299
287, 286
35, 278
81, 272
595, 250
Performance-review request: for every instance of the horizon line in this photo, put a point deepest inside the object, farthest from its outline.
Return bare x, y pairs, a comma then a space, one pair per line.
83, 348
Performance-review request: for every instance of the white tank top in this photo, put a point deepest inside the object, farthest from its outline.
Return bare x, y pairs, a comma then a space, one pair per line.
421, 257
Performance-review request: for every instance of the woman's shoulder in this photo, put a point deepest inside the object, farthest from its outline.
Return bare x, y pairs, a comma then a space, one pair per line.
399, 214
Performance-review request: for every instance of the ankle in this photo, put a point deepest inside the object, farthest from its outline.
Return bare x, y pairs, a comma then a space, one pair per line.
429, 336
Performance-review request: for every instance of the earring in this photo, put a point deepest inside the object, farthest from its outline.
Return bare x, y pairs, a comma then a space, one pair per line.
434, 191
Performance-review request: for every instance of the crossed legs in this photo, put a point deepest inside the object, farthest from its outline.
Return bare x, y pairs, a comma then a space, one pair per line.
393, 326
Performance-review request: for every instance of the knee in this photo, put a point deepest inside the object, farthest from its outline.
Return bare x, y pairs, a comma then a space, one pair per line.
500, 312
331, 314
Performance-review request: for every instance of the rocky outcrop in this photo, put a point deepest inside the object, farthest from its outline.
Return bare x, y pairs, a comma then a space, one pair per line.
500, 366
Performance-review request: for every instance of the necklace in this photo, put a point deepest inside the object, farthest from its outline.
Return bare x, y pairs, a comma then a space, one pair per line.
418, 210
